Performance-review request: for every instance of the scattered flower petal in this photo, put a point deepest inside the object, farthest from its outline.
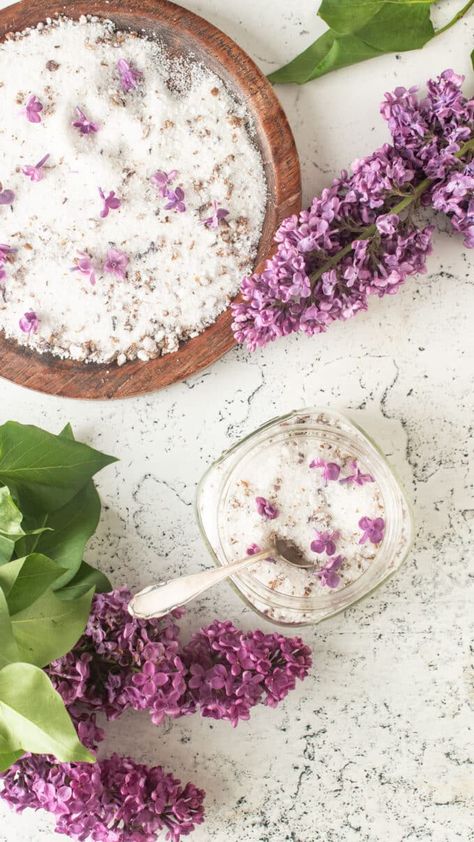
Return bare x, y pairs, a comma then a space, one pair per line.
373, 529
175, 200
29, 322
253, 549
217, 215
83, 124
325, 542
7, 197
85, 265
116, 263
111, 202
35, 173
266, 509
357, 477
33, 109
330, 470
6, 251
161, 180
328, 575
130, 77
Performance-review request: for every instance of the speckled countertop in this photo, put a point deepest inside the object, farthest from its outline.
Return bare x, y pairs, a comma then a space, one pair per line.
377, 745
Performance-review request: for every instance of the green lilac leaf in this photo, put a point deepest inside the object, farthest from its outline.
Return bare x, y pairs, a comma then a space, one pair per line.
33, 716
472, 59
6, 549
24, 580
360, 30
50, 627
44, 471
9, 651
10, 516
87, 577
8, 759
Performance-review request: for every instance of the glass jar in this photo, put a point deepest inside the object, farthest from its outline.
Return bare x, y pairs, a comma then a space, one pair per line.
325, 428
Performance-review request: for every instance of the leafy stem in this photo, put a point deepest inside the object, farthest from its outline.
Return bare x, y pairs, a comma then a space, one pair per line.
370, 230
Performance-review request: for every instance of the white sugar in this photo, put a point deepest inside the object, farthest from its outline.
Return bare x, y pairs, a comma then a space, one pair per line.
181, 274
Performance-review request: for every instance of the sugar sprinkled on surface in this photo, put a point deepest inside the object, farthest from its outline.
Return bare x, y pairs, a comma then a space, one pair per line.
181, 273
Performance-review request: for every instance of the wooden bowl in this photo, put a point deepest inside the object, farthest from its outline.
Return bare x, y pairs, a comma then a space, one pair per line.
183, 32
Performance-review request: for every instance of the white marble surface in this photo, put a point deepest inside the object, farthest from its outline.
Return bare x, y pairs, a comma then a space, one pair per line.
377, 745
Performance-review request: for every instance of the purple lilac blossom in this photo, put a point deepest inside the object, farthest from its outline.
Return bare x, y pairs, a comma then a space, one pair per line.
110, 202
325, 542
373, 529
253, 549
116, 263
85, 265
350, 244
120, 663
328, 575
83, 124
6, 252
7, 197
36, 172
162, 180
33, 109
175, 200
218, 214
266, 509
330, 470
357, 477
29, 322
130, 77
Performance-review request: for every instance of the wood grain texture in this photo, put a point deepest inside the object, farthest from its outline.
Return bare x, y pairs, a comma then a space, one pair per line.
183, 32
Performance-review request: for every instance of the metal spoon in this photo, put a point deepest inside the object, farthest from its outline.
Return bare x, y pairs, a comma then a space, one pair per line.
158, 600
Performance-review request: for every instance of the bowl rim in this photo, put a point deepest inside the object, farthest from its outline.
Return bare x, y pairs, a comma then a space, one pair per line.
68, 378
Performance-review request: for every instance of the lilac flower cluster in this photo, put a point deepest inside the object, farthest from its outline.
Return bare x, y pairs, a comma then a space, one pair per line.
359, 238
115, 800
120, 663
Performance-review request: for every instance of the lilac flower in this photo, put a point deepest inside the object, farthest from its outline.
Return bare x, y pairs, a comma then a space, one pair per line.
83, 124
130, 77
373, 529
29, 322
175, 200
111, 202
357, 478
33, 109
217, 215
116, 263
325, 542
6, 252
162, 180
253, 549
359, 237
35, 173
7, 197
3, 274
330, 470
85, 265
328, 575
266, 509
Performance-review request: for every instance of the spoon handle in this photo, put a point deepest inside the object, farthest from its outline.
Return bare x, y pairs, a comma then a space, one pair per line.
158, 600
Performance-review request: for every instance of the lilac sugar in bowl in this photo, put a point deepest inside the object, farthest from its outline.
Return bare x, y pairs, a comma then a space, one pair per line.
315, 480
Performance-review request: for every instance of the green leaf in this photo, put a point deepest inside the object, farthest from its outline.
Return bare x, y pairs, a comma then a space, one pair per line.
50, 627
87, 577
44, 471
363, 29
472, 59
8, 758
24, 580
72, 526
9, 651
345, 18
329, 52
33, 716
6, 549
10, 515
